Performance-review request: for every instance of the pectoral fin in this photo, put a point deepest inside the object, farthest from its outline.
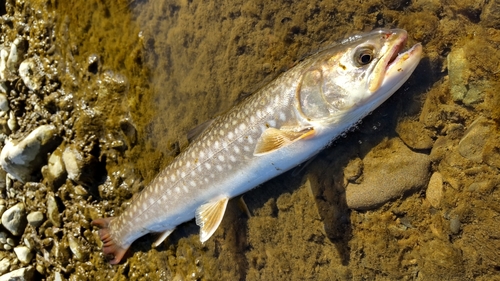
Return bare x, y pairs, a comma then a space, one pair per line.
209, 216
162, 237
273, 139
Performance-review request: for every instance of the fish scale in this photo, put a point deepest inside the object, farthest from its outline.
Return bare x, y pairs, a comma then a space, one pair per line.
280, 126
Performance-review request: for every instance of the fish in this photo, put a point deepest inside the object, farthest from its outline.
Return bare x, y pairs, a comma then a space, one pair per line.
280, 126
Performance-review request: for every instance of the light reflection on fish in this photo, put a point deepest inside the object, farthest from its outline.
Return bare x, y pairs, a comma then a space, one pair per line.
283, 124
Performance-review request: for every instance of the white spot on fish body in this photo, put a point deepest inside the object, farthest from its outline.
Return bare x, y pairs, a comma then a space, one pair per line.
221, 158
221, 132
219, 168
282, 116
230, 135
169, 192
232, 158
208, 166
185, 189
246, 148
252, 119
202, 154
172, 177
271, 123
177, 189
216, 144
192, 183
250, 139
243, 126
236, 149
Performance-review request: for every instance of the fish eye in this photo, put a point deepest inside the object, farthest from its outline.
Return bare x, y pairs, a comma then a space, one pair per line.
363, 56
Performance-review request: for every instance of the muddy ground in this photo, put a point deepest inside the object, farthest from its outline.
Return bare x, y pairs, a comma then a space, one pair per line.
124, 81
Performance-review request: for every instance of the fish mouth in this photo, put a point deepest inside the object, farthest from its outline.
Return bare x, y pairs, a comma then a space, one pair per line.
395, 65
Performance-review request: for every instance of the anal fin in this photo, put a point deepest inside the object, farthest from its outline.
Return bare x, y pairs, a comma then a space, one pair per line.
209, 217
162, 237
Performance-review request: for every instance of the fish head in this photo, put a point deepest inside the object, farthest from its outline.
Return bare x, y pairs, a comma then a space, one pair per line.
351, 79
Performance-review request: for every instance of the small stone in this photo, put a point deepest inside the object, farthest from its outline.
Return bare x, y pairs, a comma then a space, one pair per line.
458, 73
7, 247
4, 103
353, 170
55, 172
391, 170
3, 237
471, 145
455, 225
23, 254
12, 122
14, 219
82, 169
31, 74
434, 192
21, 274
4, 72
35, 219
4, 265
24, 159
414, 135
11, 241
75, 248
53, 211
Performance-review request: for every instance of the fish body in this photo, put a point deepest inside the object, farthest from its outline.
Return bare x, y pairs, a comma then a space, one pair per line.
282, 125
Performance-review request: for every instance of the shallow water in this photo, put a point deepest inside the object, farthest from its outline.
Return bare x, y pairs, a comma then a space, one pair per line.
152, 70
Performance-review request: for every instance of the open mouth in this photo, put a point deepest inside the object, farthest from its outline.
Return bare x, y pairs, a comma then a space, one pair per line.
395, 61
396, 51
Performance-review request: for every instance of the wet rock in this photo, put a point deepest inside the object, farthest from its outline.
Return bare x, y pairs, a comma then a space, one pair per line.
53, 211
12, 122
490, 16
9, 58
414, 134
434, 193
23, 254
35, 219
75, 248
82, 169
455, 224
55, 172
4, 104
4, 265
459, 76
391, 170
491, 150
471, 145
22, 274
14, 219
23, 159
31, 73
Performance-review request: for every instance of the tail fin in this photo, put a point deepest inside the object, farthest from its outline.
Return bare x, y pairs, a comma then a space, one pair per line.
109, 248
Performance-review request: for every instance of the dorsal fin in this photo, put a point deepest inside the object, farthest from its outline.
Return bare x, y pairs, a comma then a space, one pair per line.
196, 131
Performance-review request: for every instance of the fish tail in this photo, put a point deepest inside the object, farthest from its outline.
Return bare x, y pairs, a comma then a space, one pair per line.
110, 248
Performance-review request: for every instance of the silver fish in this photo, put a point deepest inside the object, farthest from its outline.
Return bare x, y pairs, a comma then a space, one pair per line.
285, 123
